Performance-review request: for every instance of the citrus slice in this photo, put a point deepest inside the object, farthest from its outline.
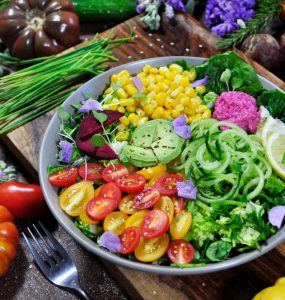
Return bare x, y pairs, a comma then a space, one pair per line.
275, 152
271, 126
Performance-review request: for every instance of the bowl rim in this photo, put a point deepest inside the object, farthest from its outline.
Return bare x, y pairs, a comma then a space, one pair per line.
91, 246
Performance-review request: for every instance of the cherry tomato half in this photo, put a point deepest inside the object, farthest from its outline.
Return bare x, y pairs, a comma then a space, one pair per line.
127, 205
165, 204
131, 183
94, 171
99, 207
136, 219
167, 184
110, 190
178, 204
154, 224
63, 178
147, 198
130, 239
180, 224
113, 172
180, 251
115, 222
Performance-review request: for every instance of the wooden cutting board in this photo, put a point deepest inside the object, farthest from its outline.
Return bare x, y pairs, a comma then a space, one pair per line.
184, 36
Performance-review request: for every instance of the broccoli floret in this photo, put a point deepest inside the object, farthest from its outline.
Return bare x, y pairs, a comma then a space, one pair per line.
274, 185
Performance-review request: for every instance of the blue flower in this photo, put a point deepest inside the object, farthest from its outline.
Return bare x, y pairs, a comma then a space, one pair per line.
276, 215
66, 151
110, 241
202, 81
187, 189
90, 104
181, 128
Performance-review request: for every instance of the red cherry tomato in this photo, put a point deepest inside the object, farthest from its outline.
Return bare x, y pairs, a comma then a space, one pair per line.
113, 172
63, 178
154, 224
178, 205
110, 190
180, 251
131, 183
167, 184
94, 171
99, 207
130, 239
147, 198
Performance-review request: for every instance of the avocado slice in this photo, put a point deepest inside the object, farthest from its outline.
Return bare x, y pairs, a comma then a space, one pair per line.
163, 128
143, 135
139, 154
168, 148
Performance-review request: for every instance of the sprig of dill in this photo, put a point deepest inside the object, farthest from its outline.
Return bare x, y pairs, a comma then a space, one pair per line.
265, 12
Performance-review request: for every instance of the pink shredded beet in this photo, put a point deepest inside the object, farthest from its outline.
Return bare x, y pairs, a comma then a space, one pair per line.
238, 108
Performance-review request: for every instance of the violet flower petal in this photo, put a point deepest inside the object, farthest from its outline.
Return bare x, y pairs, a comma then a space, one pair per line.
181, 128
276, 215
1, 174
186, 189
202, 81
180, 121
66, 151
137, 82
90, 104
110, 241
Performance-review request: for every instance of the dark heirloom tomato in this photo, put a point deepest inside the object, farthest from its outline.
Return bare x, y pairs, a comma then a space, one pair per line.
34, 28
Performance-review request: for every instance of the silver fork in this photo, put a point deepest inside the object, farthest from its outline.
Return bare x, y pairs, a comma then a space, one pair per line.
53, 261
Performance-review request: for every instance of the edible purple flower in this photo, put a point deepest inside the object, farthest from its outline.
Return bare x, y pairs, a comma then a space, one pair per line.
202, 81
110, 241
90, 104
177, 5
181, 128
186, 189
66, 151
1, 174
137, 82
276, 215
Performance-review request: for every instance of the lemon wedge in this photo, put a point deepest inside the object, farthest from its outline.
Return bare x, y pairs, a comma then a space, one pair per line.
271, 126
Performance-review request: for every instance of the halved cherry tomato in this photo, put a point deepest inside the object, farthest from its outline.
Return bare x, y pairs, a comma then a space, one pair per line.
130, 239
113, 172
155, 178
178, 204
154, 224
180, 251
99, 207
180, 224
74, 198
85, 219
94, 171
147, 198
151, 172
131, 183
136, 219
110, 190
63, 178
127, 205
151, 249
115, 222
167, 184
165, 204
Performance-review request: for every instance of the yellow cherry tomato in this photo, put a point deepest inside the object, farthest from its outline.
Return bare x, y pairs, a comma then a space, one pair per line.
136, 219
85, 219
97, 191
115, 222
166, 204
276, 292
155, 178
180, 224
151, 172
127, 205
74, 198
152, 249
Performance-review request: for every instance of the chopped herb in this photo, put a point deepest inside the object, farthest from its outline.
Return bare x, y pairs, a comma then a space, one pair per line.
97, 140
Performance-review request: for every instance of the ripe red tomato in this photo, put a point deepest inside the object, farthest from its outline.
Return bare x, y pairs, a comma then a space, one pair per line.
23, 200
99, 207
94, 171
167, 184
180, 251
110, 190
130, 239
131, 183
147, 198
178, 205
154, 224
113, 172
63, 178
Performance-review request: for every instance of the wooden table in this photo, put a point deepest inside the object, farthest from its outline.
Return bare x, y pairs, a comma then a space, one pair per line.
184, 36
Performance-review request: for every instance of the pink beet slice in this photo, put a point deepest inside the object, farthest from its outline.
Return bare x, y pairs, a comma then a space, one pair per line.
86, 147
106, 152
90, 125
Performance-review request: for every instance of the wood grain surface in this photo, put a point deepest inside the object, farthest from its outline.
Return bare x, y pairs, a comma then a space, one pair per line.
184, 36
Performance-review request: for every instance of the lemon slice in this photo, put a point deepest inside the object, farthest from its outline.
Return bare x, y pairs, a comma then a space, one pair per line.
271, 126
275, 152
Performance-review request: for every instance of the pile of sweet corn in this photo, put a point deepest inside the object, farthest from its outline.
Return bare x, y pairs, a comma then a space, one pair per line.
168, 94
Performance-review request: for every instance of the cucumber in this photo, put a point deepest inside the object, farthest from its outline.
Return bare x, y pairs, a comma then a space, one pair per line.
104, 10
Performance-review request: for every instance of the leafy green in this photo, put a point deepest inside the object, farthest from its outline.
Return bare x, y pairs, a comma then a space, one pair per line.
209, 99
63, 114
97, 140
182, 63
100, 117
91, 231
53, 169
176, 265
274, 185
218, 251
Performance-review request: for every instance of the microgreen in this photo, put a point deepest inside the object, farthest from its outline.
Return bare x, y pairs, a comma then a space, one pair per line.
225, 77
63, 114
139, 96
97, 140
100, 117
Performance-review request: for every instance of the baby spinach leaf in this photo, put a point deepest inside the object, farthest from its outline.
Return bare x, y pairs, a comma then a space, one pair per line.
218, 251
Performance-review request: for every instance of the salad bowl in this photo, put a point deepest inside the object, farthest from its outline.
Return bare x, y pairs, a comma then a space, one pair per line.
95, 87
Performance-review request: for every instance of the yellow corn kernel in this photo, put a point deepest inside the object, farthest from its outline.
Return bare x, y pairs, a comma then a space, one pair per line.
153, 71
163, 70
168, 82
201, 108
159, 78
189, 111
174, 85
175, 113
180, 107
121, 109
110, 106
176, 92
184, 82
153, 88
133, 117
127, 102
151, 96
122, 94
196, 99
151, 78
170, 75
125, 80
122, 136
160, 98
206, 114
189, 91
130, 89
131, 108
108, 91
145, 82
142, 120
114, 78
121, 127
171, 103
162, 86
166, 114
125, 121
159, 111
148, 109
176, 67
184, 100
145, 102
192, 74
146, 68
140, 112
141, 75
124, 73
200, 89
194, 118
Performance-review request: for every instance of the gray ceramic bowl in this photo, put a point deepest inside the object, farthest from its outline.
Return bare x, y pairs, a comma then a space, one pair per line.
95, 87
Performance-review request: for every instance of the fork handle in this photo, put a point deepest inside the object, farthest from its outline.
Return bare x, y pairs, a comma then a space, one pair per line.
83, 295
